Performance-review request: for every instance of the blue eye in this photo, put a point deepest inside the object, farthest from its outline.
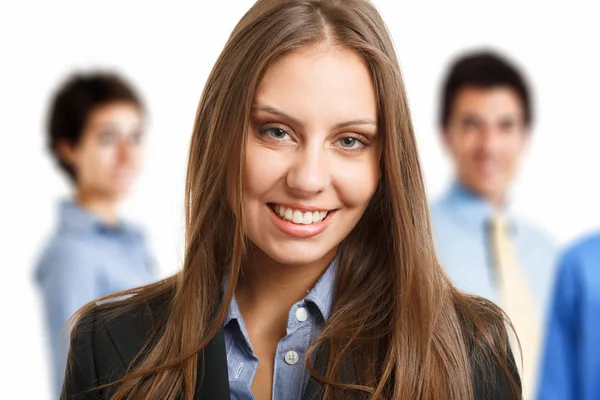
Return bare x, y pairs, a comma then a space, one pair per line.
275, 133
351, 143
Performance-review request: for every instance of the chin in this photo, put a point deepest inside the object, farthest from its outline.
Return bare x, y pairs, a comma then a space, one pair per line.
489, 192
122, 189
118, 193
484, 185
303, 254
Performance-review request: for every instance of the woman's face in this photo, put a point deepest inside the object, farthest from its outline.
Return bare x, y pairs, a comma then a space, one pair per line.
312, 156
108, 156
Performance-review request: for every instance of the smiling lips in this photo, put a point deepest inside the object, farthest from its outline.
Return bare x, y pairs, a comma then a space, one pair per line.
300, 223
298, 216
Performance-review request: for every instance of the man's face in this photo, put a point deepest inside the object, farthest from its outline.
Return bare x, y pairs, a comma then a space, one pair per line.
486, 136
108, 156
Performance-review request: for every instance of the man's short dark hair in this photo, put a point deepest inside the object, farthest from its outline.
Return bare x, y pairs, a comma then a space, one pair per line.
483, 70
73, 103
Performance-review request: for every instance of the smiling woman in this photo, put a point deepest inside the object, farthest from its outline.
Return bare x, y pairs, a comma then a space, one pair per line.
309, 269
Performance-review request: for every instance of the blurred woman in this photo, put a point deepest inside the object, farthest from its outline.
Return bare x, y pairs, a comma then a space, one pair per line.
309, 269
95, 134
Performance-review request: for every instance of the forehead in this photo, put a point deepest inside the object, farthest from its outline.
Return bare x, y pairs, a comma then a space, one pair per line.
114, 112
494, 102
324, 83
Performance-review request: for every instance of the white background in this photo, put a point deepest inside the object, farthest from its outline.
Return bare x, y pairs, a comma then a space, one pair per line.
168, 51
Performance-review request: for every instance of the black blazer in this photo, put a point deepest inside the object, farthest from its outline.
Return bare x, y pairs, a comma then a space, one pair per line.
101, 353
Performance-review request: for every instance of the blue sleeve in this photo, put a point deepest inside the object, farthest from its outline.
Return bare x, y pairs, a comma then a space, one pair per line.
150, 261
558, 370
67, 283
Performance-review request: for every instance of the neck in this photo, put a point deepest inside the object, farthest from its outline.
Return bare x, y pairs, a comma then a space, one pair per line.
497, 199
272, 287
104, 208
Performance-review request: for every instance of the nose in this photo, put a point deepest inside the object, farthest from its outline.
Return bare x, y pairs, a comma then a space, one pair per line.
125, 150
309, 172
490, 138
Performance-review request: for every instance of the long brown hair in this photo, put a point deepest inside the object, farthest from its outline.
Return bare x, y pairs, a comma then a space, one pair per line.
398, 327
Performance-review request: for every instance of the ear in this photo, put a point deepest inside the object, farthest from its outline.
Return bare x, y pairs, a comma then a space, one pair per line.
66, 151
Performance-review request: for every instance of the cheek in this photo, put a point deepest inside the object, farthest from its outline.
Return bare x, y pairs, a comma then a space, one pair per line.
356, 184
98, 164
469, 145
137, 157
461, 146
263, 168
515, 148
104, 158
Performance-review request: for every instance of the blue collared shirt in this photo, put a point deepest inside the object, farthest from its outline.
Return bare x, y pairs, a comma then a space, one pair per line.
461, 233
83, 260
290, 377
571, 364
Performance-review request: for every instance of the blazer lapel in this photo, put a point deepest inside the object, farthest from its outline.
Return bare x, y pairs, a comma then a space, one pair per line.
129, 335
315, 389
213, 362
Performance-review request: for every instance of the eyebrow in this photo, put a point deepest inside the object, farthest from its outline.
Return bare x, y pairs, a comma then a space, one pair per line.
503, 119
296, 121
114, 125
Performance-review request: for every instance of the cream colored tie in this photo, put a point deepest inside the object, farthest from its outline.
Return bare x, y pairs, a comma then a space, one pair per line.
518, 302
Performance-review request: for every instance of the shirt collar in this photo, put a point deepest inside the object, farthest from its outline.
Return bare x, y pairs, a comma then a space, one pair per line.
233, 312
474, 210
321, 296
76, 218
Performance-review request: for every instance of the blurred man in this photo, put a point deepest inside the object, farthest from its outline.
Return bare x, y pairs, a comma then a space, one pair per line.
570, 368
95, 134
486, 116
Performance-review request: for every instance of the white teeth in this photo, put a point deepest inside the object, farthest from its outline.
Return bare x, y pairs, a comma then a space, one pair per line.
316, 216
299, 217
307, 218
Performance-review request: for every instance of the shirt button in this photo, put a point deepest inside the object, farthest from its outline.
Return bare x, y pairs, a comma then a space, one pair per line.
291, 357
301, 314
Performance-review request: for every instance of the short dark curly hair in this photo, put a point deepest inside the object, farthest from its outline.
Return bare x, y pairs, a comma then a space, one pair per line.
73, 103
483, 69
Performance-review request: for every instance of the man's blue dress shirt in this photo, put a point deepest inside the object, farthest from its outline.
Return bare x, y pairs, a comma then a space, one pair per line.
571, 364
461, 232
86, 259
